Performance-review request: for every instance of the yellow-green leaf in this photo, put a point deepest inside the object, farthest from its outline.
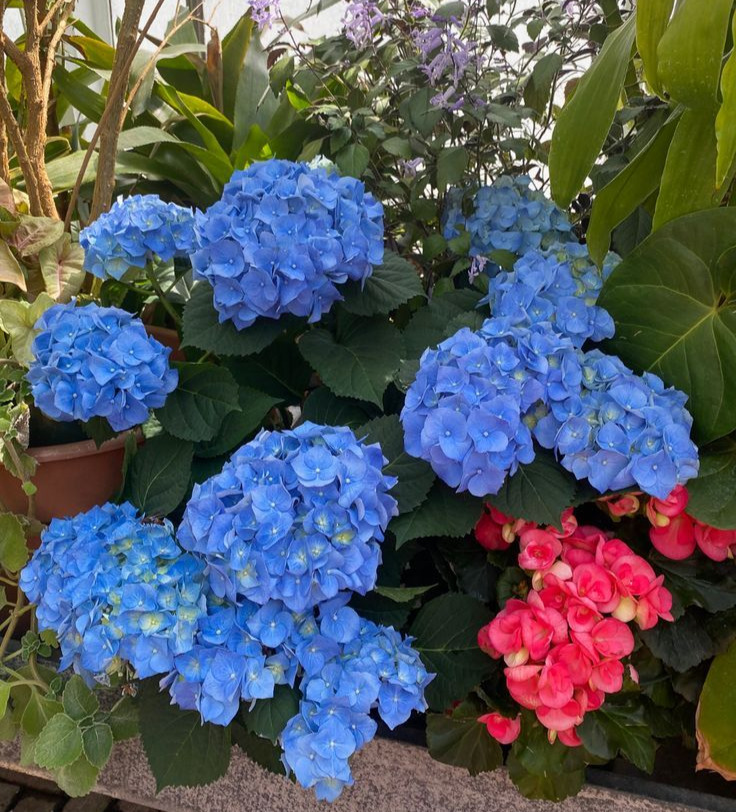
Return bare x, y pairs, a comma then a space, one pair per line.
629, 189
716, 717
17, 320
10, 269
689, 177
652, 17
691, 50
13, 550
726, 118
585, 120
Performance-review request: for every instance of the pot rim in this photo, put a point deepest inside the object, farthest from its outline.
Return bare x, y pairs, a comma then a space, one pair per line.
82, 448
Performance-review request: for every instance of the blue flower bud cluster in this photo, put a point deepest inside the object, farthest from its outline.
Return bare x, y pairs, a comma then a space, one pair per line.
464, 411
133, 233
508, 215
295, 516
97, 361
560, 286
115, 588
370, 667
621, 430
283, 237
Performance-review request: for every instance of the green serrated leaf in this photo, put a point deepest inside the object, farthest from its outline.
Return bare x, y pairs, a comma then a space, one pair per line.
538, 492
390, 285
415, 477
686, 334
446, 632
326, 409
37, 712
258, 749
268, 717
461, 741
621, 729
402, 594
97, 742
78, 700
442, 513
196, 408
380, 610
59, 743
181, 750
681, 645
159, 475
77, 779
13, 549
202, 329
429, 324
359, 361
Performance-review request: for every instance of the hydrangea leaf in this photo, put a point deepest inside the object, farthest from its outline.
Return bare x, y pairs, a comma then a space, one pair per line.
619, 729
321, 406
181, 751
716, 717
390, 285
77, 779
686, 274
359, 360
97, 742
414, 475
159, 475
585, 120
380, 610
460, 740
443, 513
544, 771
237, 425
268, 717
713, 493
258, 749
402, 594
202, 329
123, 720
538, 492
445, 630
78, 700
196, 408
428, 326
59, 743
13, 550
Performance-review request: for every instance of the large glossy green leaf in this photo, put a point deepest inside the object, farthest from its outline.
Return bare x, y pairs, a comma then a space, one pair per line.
672, 300
713, 493
652, 17
726, 118
619, 729
159, 475
691, 49
442, 513
203, 397
689, 177
181, 750
716, 717
458, 739
415, 477
255, 102
268, 717
633, 185
234, 49
322, 406
446, 632
584, 122
358, 361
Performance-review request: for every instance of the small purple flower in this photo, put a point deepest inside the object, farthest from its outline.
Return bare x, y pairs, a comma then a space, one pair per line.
362, 19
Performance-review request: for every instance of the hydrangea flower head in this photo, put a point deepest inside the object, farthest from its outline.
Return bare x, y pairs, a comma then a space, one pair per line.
283, 237
464, 413
295, 516
507, 215
621, 429
114, 587
560, 286
97, 361
134, 232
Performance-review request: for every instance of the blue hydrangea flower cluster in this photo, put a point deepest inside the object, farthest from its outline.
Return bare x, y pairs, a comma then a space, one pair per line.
114, 588
133, 233
464, 411
295, 516
376, 667
98, 362
560, 286
621, 430
508, 215
283, 237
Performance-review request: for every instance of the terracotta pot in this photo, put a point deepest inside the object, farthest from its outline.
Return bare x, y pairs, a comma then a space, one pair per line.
169, 338
70, 478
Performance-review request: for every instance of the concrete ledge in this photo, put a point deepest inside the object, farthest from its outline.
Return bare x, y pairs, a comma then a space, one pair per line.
389, 777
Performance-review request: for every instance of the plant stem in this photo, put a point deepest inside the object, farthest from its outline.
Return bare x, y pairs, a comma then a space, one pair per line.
168, 307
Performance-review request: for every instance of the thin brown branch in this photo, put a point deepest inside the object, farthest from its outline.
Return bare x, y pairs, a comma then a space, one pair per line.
60, 25
14, 52
46, 21
16, 138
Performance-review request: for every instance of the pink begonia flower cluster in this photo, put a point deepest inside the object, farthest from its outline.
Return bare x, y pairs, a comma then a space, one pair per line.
677, 535
565, 644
